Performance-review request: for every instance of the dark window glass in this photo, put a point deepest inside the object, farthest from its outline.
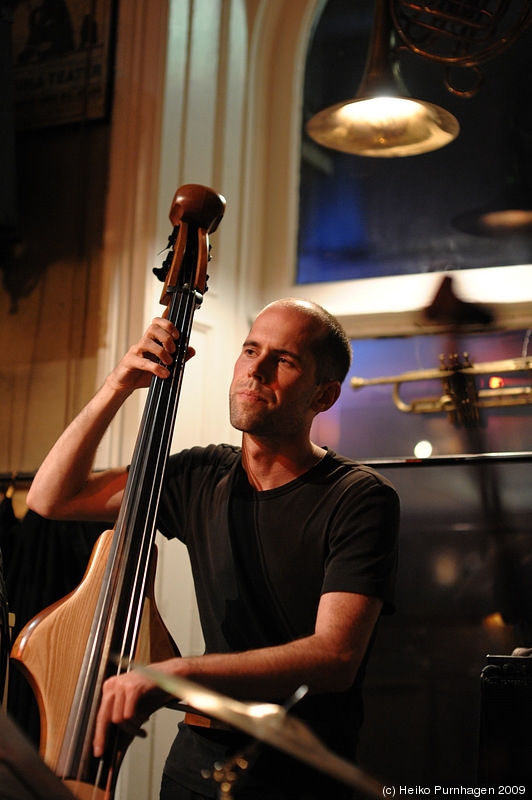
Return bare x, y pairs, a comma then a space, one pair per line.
363, 217
365, 423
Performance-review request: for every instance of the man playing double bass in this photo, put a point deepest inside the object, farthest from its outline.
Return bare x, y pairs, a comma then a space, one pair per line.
293, 549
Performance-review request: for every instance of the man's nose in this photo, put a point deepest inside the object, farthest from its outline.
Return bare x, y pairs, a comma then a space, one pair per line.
255, 372
258, 369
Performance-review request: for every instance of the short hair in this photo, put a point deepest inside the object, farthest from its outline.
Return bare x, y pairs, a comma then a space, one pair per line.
331, 346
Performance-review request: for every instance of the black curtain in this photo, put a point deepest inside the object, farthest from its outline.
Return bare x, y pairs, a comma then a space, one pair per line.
43, 560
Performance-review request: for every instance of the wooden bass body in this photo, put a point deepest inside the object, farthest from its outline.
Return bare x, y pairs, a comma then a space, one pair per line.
50, 650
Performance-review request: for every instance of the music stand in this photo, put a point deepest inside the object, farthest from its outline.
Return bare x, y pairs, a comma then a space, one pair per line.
23, 774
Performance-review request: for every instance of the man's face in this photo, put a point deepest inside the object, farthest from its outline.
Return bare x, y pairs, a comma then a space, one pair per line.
274, 380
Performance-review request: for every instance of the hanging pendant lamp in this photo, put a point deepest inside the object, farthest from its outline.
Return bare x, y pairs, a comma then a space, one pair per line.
382, 120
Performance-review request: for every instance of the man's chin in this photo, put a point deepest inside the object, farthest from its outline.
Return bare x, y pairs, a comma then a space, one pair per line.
254, 427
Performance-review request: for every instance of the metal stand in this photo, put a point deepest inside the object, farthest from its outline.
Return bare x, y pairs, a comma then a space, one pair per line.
226, 775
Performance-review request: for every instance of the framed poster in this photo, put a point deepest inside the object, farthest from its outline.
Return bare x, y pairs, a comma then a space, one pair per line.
62, 61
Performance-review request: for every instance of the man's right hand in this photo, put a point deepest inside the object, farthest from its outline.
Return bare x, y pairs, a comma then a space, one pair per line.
66, 487
151, 355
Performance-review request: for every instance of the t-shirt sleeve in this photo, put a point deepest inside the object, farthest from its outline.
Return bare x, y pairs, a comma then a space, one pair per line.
362, 554
172, 512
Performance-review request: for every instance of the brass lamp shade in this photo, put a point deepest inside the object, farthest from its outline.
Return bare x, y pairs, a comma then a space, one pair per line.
383, 126
382, 120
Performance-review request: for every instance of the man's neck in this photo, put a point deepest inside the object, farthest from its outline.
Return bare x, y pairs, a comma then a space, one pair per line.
272, 464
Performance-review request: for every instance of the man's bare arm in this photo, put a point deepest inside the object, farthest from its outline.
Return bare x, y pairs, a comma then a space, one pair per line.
327, 661
65, 487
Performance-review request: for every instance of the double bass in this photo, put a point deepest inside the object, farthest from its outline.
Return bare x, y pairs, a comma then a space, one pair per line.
69, 649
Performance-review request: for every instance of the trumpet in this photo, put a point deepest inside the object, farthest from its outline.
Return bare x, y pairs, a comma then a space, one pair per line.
461, 399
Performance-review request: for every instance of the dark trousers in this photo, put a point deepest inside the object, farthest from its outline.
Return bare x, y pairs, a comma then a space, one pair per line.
170, 790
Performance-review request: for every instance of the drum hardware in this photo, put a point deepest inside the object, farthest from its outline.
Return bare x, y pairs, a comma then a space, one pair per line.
268, 723
227, 774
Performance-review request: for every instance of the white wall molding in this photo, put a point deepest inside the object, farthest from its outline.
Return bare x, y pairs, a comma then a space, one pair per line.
132, 194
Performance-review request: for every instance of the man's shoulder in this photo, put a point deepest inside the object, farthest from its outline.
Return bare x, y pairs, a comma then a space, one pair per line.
356, 471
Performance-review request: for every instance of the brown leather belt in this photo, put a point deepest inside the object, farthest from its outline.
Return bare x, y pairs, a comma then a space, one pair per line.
200, 721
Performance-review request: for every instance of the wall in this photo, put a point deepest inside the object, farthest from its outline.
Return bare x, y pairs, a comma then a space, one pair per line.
51, 322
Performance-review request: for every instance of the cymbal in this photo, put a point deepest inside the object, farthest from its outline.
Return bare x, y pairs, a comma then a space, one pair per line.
269, 723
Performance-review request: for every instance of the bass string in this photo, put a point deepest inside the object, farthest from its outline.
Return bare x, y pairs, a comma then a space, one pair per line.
153, 452
119, 566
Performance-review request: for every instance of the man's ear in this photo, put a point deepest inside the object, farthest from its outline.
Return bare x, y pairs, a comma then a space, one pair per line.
327, 396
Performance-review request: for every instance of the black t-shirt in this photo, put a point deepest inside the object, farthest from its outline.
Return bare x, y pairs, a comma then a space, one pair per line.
262, 560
